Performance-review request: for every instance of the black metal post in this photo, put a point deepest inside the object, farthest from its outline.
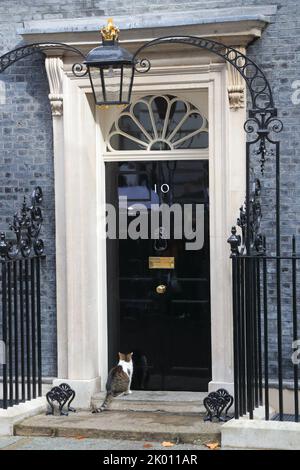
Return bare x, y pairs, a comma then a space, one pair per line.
278, 283
279, 338
235, 336
10, 337
22, 333
266, 338
234, 241
249, 338
295, 326
239, 331
33, 326
38, 326
254, 330
28, 342
4, 331
16, 332
259, 332
243, 339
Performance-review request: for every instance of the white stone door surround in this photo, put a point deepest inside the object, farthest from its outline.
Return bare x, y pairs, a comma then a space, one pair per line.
78, 131
79, 153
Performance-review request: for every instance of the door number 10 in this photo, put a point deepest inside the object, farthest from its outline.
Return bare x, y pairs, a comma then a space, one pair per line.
164, 188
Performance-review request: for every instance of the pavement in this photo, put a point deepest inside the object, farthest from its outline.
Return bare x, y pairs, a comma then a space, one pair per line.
80, 443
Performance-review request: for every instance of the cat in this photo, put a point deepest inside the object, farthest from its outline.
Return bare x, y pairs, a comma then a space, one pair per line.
118, 381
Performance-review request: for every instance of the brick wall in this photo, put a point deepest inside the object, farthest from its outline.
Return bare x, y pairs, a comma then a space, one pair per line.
26, 152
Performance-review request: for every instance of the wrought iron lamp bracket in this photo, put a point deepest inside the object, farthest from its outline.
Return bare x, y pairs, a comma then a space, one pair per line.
258, 85
21, 52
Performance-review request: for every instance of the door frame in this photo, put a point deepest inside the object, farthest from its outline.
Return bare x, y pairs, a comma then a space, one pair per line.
114, 331
227, 186
80, 216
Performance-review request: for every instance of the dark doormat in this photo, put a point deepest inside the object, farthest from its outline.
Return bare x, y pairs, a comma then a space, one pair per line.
286, 417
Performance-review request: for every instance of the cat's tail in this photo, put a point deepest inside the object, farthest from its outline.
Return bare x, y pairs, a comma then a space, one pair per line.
105, 404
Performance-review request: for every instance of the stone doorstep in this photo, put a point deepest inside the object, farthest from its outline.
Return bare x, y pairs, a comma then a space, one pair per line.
142, 415
173, 402
131, 425
261, 435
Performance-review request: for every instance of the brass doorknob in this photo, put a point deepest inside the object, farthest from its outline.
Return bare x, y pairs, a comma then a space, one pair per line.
161, 289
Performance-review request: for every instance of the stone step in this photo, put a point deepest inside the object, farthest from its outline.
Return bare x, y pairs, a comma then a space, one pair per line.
133, 425
172, 402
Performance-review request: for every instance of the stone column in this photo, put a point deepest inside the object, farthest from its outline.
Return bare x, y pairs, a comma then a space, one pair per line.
54, 69
76, 234
227, 193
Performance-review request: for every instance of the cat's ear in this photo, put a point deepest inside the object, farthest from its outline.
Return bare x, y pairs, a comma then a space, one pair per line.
120, 355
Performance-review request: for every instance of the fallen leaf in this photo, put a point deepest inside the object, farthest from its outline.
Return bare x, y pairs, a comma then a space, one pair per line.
212, 445
167, 444
147, 446
79, 438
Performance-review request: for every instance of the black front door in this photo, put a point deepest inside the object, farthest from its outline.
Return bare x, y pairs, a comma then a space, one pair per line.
158, 289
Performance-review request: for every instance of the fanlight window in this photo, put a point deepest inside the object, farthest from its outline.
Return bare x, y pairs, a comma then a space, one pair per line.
159, 123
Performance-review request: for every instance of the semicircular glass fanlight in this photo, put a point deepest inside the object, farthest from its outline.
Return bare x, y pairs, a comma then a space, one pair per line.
159, 123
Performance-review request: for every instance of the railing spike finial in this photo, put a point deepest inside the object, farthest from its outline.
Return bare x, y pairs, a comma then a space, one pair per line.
3, 245
26, 226
234, 240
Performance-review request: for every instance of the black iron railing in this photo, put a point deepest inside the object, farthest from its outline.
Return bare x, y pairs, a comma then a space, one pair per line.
20, 312
265, 340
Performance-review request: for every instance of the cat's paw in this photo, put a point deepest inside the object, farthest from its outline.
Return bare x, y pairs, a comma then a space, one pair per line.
97, 410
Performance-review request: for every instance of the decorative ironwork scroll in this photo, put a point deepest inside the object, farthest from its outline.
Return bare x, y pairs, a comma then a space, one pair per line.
70, 394
215, 403
26, 226
259, 126
21, 52
256, 238
62, 395
259, 87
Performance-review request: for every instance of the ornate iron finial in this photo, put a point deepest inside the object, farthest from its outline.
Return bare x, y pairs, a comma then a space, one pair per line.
110, 32
260, 244
26, 226
234, 240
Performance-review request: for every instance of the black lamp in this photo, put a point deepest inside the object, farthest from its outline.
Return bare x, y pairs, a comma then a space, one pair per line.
111, 69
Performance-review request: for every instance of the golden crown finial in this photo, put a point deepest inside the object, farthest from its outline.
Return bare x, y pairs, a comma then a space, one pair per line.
110, 32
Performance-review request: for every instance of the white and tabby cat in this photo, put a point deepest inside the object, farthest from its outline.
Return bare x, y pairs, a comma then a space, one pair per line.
118, 381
